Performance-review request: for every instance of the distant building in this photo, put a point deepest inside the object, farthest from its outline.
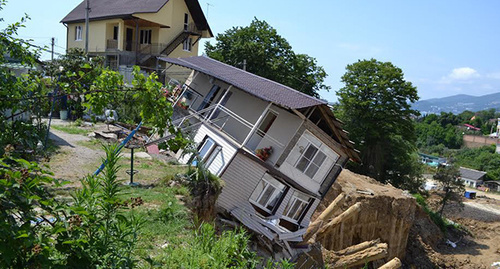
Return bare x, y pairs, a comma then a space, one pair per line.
128, 33
430, 160
472, 178
492, 185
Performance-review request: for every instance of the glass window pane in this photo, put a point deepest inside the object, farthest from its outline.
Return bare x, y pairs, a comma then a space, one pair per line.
311, 150
319, 158
311, 171
274, 200
258, 190
206, 147
266, 195
300, 209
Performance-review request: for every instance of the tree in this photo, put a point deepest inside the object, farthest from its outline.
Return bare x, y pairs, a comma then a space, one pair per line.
375, 105
453, 186
267, 54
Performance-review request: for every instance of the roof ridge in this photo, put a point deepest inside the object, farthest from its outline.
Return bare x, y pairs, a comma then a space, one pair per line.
260, 77
473, 169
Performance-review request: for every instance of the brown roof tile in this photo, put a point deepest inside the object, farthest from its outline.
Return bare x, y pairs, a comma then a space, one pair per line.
260, 87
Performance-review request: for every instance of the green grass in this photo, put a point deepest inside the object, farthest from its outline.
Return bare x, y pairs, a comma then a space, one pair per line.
72, 129
441, 222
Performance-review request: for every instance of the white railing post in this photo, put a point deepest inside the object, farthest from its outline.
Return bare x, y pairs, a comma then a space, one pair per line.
220, 101
256, 125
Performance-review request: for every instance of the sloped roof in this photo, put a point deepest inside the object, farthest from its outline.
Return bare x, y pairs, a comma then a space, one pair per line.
113, 8
105, 9
260, 87
471, 173
265, 89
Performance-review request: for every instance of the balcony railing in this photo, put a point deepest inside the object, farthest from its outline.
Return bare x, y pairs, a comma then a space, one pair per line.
228, 122
112, 44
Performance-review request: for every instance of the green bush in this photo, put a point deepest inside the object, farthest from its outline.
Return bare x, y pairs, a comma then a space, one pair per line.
435, 217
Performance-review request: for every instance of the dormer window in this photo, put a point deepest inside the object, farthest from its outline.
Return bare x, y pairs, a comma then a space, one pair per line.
78, 33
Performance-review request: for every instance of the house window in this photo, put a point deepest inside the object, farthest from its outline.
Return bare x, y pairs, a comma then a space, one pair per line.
187, 44
268, 193
297, 205
115, 32
78, 33
145, 36
186, 21
311, 160
207, 152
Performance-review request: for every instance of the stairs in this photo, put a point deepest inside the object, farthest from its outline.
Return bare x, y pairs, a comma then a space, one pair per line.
185, 33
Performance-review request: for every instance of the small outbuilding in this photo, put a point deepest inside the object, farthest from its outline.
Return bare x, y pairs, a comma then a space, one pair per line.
472, 178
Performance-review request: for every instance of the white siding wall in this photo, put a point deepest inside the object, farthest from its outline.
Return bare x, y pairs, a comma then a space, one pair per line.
283, 129
241, 179
222, 159
288, 166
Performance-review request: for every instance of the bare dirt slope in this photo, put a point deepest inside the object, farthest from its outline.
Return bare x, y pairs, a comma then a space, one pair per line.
386, 213
477, 249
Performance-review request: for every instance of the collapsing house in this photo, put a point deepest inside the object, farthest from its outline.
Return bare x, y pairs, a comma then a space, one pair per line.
278, 150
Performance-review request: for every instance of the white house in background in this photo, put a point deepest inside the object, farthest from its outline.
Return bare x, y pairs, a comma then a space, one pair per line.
234, 117
472, 178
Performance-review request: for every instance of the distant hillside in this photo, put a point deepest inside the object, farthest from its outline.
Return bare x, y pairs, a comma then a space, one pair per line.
459, 103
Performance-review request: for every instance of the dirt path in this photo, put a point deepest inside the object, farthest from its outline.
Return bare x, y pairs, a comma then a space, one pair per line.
73, 161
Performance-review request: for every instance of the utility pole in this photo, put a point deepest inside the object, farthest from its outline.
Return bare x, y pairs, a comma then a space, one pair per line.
87, 11
52, 52
245, 64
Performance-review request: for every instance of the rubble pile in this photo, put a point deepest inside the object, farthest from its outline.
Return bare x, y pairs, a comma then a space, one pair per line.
362, 220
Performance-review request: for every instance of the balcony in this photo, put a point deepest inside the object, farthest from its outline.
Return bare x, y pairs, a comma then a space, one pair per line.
192, 111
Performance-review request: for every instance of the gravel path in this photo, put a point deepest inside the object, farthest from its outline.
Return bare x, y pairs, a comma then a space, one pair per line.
73, 161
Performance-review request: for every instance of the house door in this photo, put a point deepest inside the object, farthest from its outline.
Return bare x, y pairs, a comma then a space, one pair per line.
261, 131
209, 97
129, 39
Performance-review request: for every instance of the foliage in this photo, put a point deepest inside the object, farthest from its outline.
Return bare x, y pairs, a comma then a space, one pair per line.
442, 223
97, 233
375, 105
25, 238
269, 55
205, 188
435, 130
38, 232
448, 176
483, 159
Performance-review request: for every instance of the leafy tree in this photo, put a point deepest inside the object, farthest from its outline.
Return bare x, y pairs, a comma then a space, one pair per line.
453, 186
269, 55
375, 105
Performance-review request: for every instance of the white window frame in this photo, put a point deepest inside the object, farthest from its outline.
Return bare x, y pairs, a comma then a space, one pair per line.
311, 161
187, 44
145, 36
297, 215
78, 33
210, 154
276, 194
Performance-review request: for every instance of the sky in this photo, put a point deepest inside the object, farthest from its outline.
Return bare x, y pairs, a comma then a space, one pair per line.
443, 47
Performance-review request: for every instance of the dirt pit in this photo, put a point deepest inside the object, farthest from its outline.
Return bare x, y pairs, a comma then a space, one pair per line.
476, 247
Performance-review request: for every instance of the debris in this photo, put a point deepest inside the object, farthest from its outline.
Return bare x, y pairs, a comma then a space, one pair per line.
325, 216
356, 255
497, 264
453, 245
392, 264
107, 136
349, 213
